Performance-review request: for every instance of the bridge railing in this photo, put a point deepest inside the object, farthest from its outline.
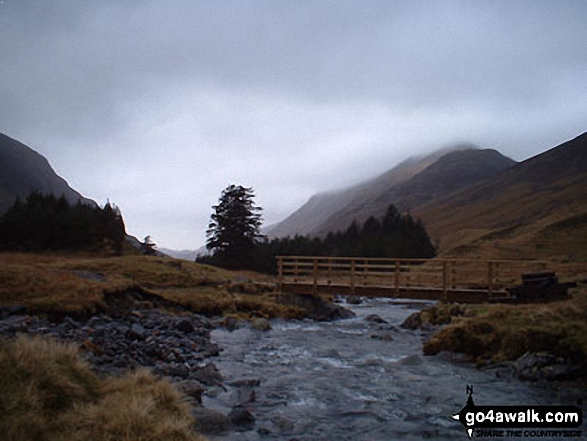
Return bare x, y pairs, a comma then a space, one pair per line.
491, 276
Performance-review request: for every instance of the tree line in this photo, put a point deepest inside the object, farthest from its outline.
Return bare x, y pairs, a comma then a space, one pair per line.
235, 242
49, 223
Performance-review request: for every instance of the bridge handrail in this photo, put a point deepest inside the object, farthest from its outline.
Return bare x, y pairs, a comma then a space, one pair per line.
360, 268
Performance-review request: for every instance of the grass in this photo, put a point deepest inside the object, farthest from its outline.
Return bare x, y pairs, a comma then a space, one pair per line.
80, 285
48, 393
499, 332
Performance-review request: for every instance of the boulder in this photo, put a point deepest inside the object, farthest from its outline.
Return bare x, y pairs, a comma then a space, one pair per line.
261, 324
239, 416
354, 300
374, 318
283, 424
6, 311
185, 326
385, 336
316, 308
413, 322
210, 422
136, 332
207, 375
192, 389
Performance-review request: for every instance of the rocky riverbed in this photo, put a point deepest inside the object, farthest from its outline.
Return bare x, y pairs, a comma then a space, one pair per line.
359, 378
174, 344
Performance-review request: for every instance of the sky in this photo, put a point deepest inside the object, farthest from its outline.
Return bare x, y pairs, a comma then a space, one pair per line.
158, 106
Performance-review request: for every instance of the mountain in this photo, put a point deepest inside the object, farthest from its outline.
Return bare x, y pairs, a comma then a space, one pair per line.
536, 208
22, 170
409, 185
183, 254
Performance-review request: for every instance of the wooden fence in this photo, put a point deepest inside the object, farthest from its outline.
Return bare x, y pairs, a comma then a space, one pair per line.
449, 279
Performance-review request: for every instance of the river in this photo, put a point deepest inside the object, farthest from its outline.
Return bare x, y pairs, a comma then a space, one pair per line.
334, 381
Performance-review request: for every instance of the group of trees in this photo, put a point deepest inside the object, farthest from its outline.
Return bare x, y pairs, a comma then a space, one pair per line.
235, 241
45, 222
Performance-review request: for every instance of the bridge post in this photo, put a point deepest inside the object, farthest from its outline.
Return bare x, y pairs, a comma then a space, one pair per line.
444, 280
315, 275
454, 274
280, 273
490, 278
329, 271
397, 278
353, 276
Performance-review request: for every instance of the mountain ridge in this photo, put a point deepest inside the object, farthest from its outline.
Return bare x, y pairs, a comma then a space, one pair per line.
520, 212
406, 185
23, 170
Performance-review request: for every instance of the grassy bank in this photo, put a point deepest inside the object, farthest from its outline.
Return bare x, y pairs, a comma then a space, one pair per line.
57, 284
499, 332
48, 393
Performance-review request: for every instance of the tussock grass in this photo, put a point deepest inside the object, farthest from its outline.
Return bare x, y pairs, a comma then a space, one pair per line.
58, 284
505, 332
48, 393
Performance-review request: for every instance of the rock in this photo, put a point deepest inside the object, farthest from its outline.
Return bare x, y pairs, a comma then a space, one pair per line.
207, 375
413, 322
71, 322
261, 324
411, 360
241, 417
185, 326
354, 300
317, 309
544, 366
246, 382
210, 422
283, 424
140, 337
137, 332
14, 323
192, 389
230, 323
6, 311
374, 318
385, 336
243, 395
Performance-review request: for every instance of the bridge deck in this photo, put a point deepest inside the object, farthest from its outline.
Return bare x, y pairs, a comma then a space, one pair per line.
461, 295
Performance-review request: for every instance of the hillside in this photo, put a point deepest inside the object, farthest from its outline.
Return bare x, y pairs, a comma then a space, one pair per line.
409, 185
22, 170
537, 208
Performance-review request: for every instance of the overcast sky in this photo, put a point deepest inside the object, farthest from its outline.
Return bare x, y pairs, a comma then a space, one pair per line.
159, 105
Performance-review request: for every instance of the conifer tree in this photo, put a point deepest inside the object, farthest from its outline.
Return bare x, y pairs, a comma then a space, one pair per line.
234, 227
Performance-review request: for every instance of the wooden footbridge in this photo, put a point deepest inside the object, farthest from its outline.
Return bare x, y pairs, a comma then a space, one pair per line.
458, 280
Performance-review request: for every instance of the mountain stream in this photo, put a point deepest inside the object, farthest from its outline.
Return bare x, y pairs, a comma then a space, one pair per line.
356, 379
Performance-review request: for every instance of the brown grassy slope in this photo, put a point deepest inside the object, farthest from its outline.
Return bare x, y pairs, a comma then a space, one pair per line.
67, 285
48, 393
537, 208
505, 332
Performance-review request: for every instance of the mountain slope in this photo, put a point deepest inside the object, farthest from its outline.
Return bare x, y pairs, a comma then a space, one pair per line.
536, 208
453, 171
22, 170
322, 208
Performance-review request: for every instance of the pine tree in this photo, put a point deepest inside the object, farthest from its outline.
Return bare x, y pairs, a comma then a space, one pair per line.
234, 227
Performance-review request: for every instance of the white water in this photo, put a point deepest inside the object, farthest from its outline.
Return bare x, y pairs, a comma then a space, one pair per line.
332, 381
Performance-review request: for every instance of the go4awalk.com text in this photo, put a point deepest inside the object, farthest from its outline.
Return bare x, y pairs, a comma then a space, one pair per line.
520, 421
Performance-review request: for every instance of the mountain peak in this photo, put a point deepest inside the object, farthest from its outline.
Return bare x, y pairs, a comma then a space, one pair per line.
408, 185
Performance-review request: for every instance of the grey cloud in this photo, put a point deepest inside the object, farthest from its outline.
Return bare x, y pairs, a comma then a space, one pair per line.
292, 96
